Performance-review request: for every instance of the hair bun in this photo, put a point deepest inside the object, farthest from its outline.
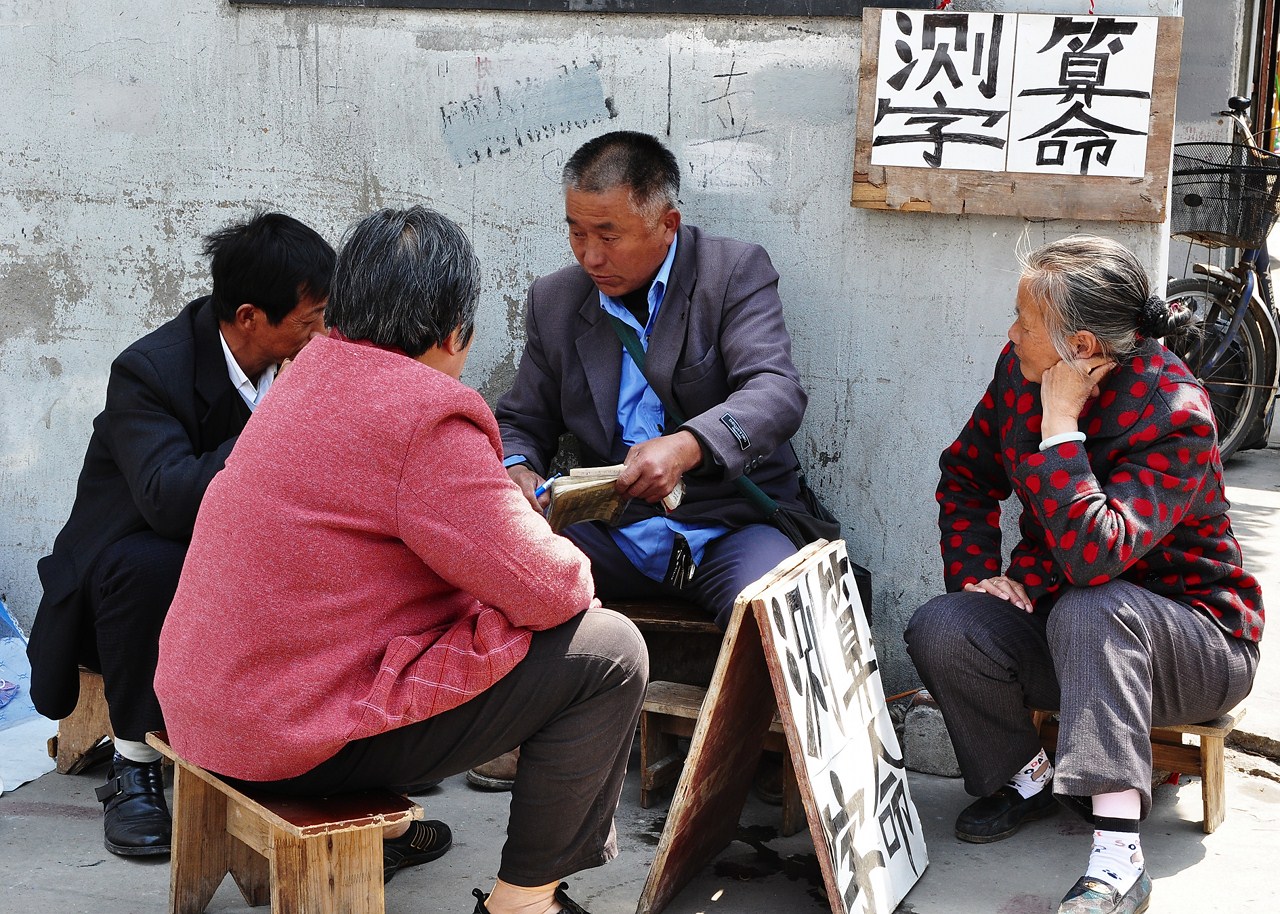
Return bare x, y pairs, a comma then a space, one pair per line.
1158, 317
1153, 316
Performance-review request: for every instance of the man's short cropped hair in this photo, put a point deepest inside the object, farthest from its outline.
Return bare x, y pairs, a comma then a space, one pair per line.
270, 260
629, 159
406, 279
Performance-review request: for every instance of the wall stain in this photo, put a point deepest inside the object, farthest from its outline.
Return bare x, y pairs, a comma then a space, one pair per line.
499, 380
37, 288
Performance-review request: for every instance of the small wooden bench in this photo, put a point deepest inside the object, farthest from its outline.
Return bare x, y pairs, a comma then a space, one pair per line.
670, 711
1170, 752
321, 855
668, 616
682, 638
84, 736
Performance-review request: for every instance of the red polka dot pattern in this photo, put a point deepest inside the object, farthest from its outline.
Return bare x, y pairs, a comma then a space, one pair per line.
1143, 496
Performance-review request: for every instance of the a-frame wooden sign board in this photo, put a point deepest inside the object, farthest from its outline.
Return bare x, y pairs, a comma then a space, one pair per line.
799, 644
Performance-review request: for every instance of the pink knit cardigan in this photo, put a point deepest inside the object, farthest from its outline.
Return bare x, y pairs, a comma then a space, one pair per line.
363, 562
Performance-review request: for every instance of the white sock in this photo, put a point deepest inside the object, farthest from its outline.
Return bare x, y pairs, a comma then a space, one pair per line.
136, 752
1116, 859
1032, 777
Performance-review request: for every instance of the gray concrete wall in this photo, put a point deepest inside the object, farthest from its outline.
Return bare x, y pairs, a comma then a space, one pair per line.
1214, 63
129, 129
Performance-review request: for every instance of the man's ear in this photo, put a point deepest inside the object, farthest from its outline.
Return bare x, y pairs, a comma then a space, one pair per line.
1084, 345
671, 222
246, 317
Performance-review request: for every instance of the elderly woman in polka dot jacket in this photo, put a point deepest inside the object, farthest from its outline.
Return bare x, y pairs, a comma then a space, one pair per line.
1124, 603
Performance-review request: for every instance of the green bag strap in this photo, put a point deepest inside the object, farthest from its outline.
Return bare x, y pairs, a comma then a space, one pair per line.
631, 342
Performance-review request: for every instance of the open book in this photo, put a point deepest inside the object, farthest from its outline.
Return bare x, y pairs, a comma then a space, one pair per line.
587, 493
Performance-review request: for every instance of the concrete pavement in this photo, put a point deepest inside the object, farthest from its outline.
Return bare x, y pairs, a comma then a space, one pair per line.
52, 858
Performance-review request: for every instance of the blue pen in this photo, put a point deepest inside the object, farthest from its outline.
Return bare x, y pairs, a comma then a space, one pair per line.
542, 489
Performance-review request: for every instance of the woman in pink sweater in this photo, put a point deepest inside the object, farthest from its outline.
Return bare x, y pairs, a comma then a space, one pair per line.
369, 602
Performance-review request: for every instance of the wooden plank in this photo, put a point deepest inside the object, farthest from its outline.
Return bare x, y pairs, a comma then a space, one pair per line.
334, 874
805, 8
677, 698
667, 615
199, 858
725, 748
1219, 726
1029, 196
84, 736
305, 816
252, 873
1213, 783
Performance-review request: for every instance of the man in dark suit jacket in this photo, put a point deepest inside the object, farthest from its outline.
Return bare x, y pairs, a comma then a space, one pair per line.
706, 311
176, 401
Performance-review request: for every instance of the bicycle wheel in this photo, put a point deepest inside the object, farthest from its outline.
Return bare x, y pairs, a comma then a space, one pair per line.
1237, 383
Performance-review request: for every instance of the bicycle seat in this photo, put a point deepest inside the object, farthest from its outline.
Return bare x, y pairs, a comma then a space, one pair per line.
1239, 103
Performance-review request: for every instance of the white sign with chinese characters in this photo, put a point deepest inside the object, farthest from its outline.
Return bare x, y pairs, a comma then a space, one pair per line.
827, 680
999, 92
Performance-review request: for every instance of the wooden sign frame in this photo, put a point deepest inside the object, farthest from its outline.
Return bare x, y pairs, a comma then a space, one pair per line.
1031, 196
792, 8
728, 738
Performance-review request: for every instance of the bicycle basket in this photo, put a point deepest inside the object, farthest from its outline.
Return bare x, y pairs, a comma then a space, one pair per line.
1224, 194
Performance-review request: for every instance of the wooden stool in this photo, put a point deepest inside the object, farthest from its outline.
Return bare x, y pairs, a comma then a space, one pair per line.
668, 616
683, 639
670, 711
84, 736
1170, 752
321, 855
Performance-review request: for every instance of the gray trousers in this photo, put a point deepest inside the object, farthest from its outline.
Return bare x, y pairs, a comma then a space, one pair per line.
1114, 660
571, 705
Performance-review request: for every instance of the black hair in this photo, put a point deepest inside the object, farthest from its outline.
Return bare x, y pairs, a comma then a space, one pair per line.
270, 260
626, 158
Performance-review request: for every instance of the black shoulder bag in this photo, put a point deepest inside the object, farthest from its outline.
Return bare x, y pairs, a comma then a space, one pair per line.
802, 527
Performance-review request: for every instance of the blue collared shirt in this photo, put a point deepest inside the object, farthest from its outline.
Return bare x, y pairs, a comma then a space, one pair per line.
647, 543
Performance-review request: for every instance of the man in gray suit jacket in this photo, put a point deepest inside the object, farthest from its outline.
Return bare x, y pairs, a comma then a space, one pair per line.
707, 312
177, 399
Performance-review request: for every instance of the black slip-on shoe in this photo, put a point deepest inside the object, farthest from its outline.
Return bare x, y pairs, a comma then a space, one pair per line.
568, 905
1094, 896
1001, 814
422, 843
135, 816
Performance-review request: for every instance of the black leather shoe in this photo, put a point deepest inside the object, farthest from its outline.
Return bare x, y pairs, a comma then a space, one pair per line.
422, 843
567, 904
1001, 814
136, 820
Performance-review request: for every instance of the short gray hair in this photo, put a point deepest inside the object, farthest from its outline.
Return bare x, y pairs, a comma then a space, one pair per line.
1086, 282
626, 158
405, 278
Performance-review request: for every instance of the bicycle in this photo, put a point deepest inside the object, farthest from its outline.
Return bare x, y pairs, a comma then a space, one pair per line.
1227, 195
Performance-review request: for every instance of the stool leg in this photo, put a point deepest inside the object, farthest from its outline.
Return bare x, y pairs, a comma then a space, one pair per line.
659, 756
793, 817
251, 872
79, 743
201, 846
1213, 784
338, 873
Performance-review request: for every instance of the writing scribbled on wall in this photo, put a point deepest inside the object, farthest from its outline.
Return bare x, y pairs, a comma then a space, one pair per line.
507, 117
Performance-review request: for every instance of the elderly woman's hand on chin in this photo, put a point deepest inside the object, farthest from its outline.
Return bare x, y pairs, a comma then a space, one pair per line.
1066, 387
